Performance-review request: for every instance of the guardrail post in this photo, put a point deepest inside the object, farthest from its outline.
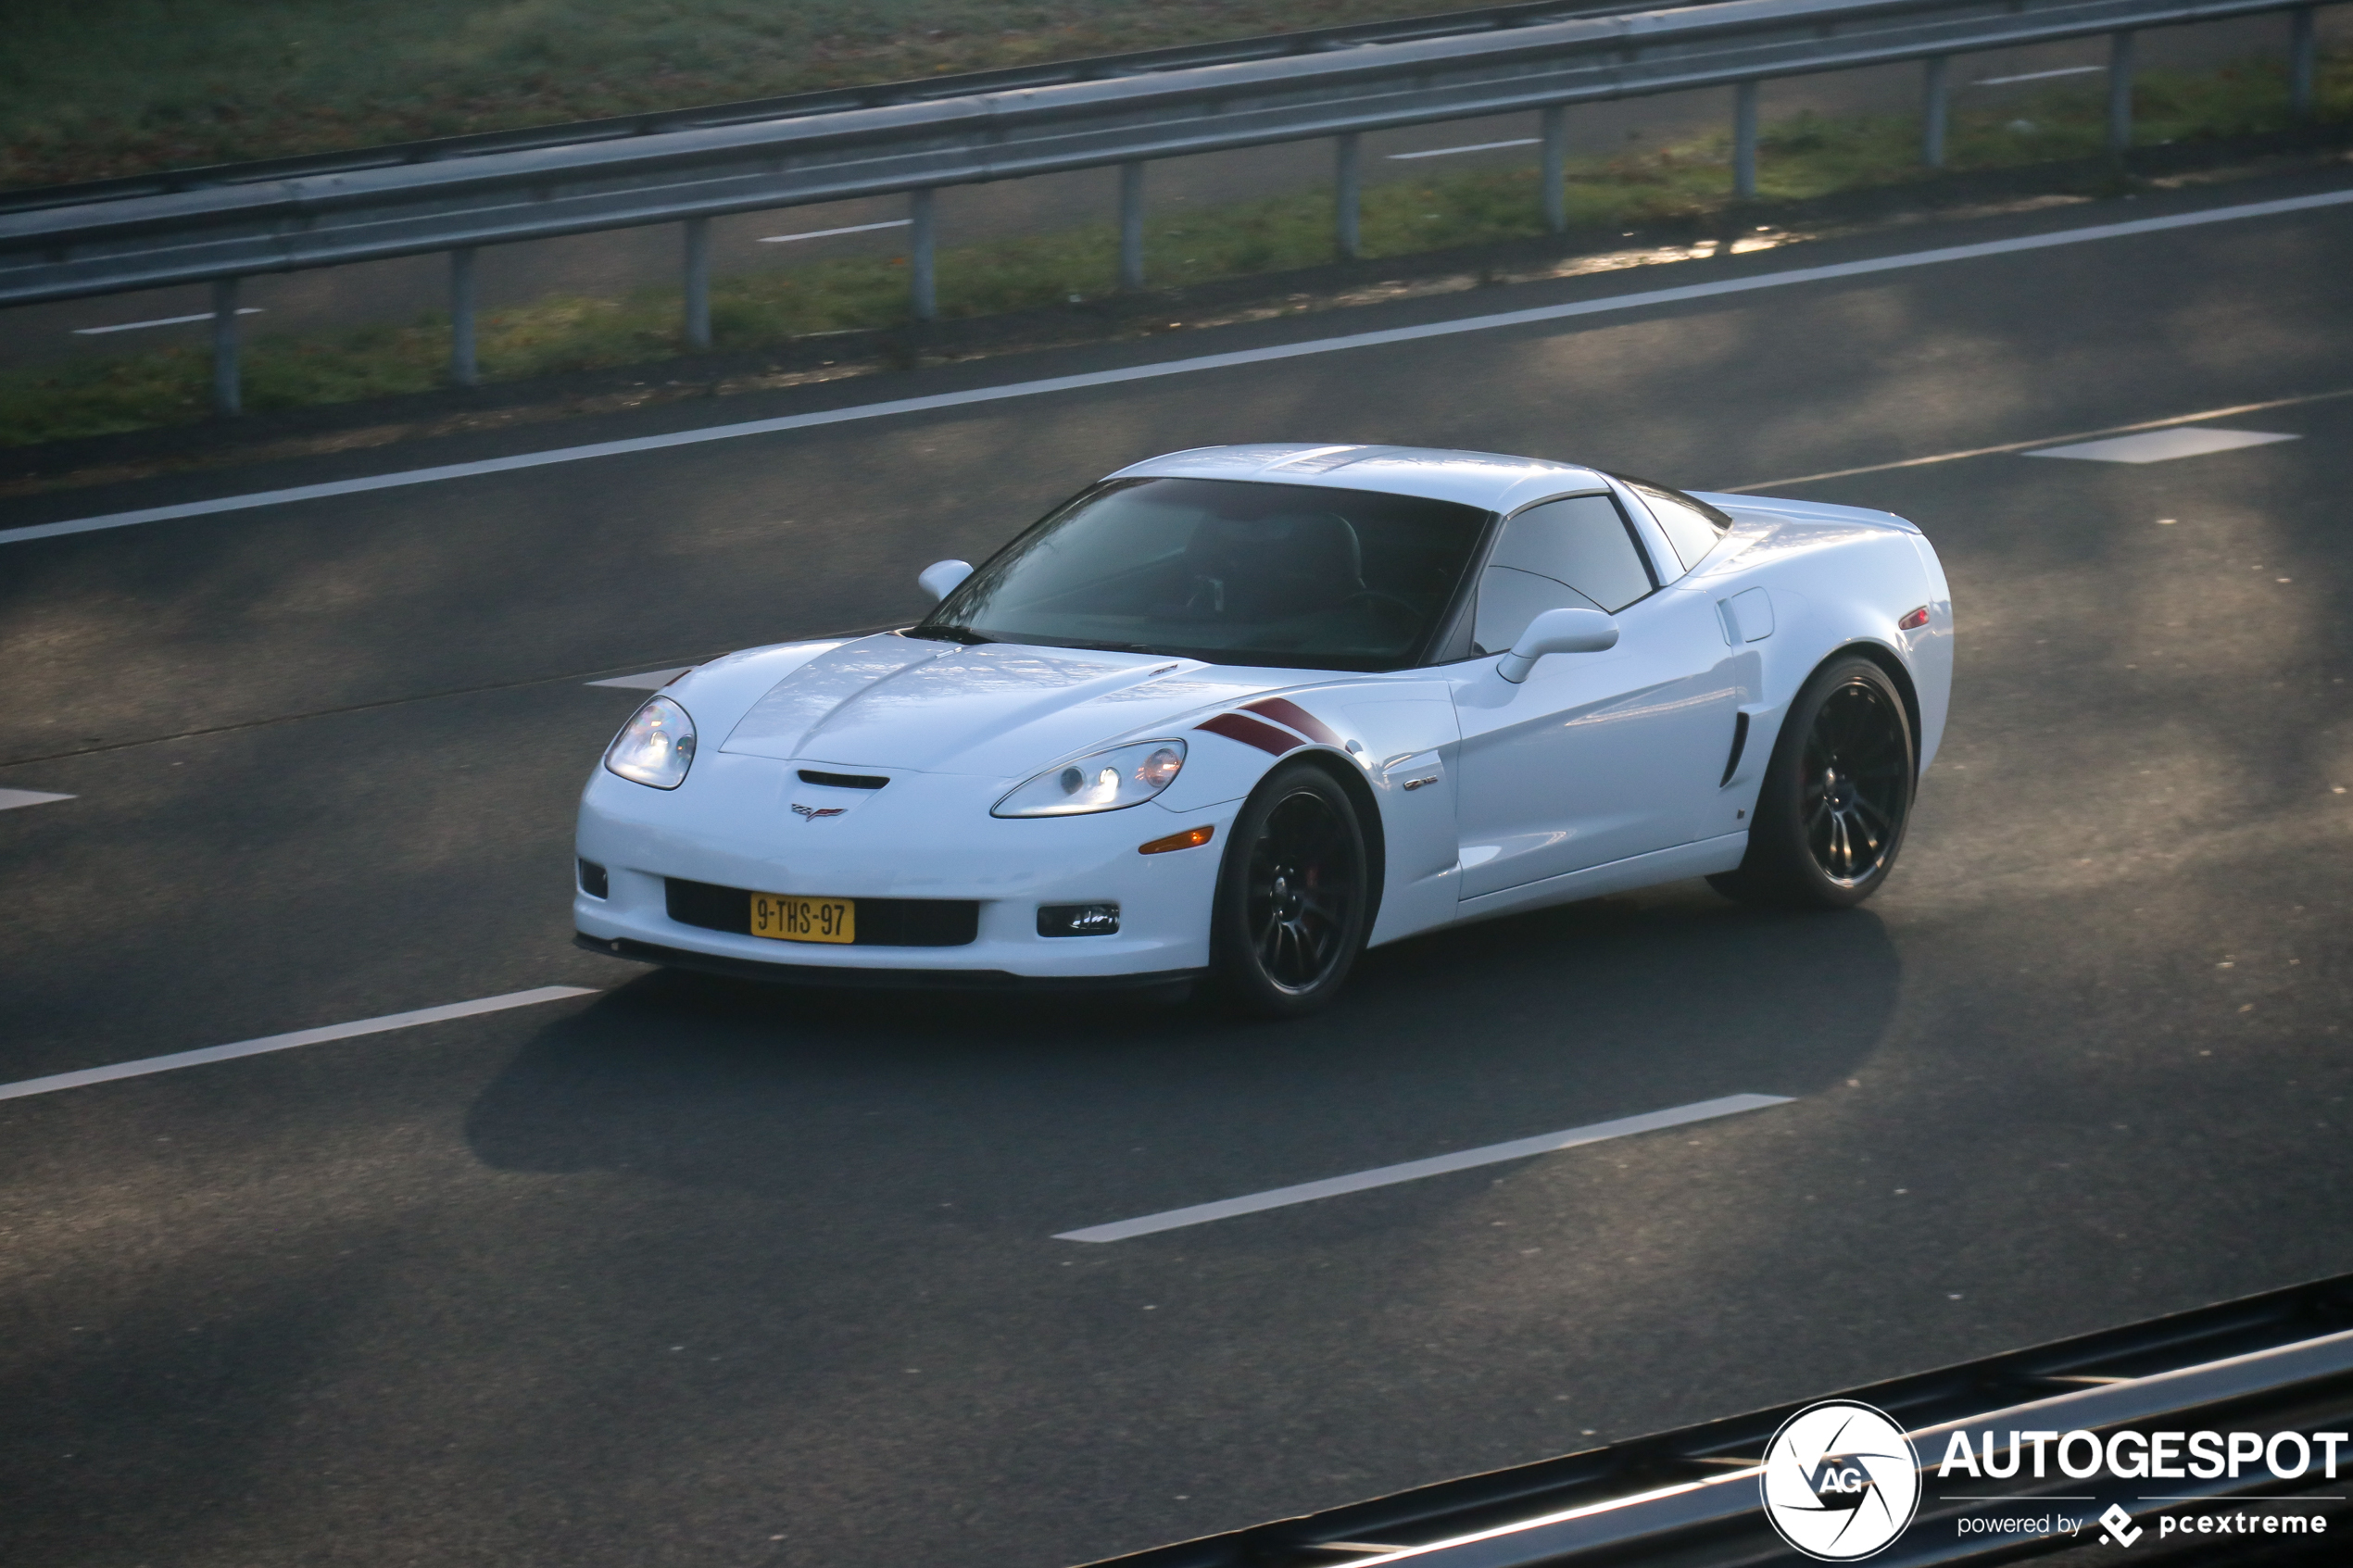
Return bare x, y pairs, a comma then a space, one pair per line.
2120, 91
1131, 225
462, 371
922, 298
697, 283
1347, 195
2302, 50
1745, 141
226, 391
1556, 167
1935, 91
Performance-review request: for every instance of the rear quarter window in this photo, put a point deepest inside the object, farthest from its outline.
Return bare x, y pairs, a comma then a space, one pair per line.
1692, 526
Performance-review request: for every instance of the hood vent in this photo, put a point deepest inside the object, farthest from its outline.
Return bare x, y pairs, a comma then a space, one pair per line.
843, 781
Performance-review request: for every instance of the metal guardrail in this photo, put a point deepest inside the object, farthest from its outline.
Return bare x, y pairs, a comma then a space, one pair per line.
2282, 1361
222, 233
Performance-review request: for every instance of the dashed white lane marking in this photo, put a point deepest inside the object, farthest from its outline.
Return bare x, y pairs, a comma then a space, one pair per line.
652, 680
1415, 1170
1473, 147
158, 321
828, 233
1773, 486
2162, 446
2035, 76
1540, 315
287, 1042
12, 798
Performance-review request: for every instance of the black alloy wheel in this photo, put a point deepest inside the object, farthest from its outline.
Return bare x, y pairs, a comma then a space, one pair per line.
1291, 906
1832, 806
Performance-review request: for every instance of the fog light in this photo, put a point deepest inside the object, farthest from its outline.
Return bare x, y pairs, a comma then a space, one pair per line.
593, 881
1191, 838
1077, 920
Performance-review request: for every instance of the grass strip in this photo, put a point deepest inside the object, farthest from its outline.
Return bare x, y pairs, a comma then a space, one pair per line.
94, 88
1803, 156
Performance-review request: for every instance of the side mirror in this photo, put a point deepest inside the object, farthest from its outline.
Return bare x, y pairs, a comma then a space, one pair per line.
939, 579
1558, 631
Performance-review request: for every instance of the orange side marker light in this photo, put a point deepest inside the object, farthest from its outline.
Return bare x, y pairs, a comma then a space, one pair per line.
1191, 838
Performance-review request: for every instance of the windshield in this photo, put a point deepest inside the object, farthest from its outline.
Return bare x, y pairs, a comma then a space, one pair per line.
1232, 571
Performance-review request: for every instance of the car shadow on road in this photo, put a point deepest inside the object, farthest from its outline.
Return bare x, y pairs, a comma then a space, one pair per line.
1041, 1109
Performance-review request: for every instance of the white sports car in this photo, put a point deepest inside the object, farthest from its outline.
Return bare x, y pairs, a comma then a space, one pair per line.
1237, 713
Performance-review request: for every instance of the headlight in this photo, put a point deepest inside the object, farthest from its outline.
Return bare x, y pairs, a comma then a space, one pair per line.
656, 748
1108, 781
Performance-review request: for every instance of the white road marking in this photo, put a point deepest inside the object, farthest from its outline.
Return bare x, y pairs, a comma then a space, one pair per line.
12, 798
158, 321
1415, 1170
2035, 76
2234, 412
1535, 316
652, 680
286, 1042
1473, 147
828, 233
2162, 446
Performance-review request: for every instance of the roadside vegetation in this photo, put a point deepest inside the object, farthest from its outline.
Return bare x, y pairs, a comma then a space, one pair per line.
1638, 184
94, 88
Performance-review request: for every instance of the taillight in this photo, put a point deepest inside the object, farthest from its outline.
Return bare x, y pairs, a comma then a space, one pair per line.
1914, 622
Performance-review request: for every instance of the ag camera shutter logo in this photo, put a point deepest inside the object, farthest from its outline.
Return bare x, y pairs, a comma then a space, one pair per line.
1841, 1480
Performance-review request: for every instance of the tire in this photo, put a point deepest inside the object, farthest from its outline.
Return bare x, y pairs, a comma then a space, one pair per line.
1292, 897
1836, 796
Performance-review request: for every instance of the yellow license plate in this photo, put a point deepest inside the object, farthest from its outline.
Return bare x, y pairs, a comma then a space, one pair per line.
804, 919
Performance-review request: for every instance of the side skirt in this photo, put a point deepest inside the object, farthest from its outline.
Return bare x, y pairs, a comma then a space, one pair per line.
1705, 857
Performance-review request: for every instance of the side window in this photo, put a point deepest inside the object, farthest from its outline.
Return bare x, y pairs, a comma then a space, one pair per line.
1571, 554
1509, 600
1691, 525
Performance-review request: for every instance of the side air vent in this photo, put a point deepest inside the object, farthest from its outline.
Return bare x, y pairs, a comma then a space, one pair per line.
1740, 744
843, 781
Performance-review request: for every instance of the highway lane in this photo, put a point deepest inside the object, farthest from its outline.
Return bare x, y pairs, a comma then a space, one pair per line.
418, 1295
617, 262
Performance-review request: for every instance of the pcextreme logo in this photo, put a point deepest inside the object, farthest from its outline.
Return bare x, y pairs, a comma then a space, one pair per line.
1840, 1481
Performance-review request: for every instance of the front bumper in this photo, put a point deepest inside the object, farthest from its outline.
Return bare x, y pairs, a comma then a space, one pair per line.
881, 979
923, 837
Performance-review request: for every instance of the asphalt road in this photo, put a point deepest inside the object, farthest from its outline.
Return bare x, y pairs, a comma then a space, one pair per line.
616, 262
697, 1273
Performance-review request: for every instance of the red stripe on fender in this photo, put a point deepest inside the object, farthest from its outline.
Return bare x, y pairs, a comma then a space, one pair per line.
1249, 732
1284, 711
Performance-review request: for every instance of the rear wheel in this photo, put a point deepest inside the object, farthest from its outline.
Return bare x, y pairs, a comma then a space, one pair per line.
1836, 796
1291, 897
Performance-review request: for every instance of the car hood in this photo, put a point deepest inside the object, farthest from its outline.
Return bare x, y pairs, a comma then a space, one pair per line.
996, 709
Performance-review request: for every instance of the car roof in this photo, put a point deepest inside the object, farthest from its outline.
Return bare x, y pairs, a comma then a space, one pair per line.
1487, 479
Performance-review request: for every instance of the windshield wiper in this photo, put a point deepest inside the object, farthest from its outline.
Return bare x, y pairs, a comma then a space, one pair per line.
1149, 648
947, 635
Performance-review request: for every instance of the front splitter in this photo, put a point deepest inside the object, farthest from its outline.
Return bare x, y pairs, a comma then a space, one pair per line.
880, 979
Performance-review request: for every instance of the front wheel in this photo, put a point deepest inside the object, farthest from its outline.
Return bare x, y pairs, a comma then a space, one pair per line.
1292, 896
1836, 796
